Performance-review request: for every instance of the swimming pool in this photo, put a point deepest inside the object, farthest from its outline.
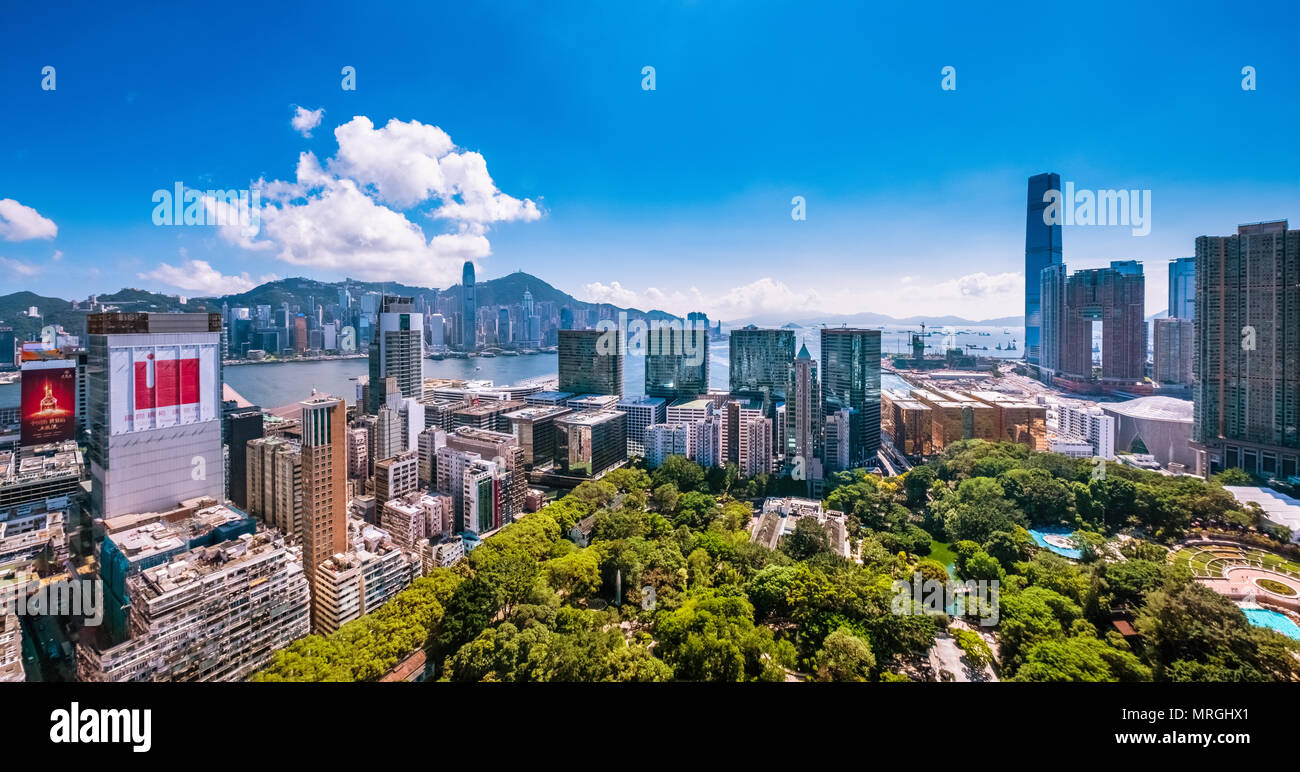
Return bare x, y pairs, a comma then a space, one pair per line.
1273, 620
1040, 538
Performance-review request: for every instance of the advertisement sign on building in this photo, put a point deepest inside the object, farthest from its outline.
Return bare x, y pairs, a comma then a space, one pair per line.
49, 401
155, 387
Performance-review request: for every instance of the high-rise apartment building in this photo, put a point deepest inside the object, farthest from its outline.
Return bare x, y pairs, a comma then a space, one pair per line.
397, 352
591, 362
1115, 297
850, 381
1247, 392
1174, 353
1182, 288
1042, 249
504, 449
351, 584
274, 474
154, 410
395, 477
664, 440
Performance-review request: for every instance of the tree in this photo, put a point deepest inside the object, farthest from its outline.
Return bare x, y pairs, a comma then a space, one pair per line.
664, 498
1079, 659
628, 479
684, 474
916, 484
808, 540
845, 657
696, 510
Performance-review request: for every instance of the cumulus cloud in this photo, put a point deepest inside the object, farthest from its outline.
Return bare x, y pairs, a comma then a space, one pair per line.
305, 120
198, 276
20, 223
350, 212
18, 267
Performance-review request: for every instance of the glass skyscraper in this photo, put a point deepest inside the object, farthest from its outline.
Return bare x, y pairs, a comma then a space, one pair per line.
677, 362
589, 366
1042, 249
469, 308
1182, 288
760, 362
850, 380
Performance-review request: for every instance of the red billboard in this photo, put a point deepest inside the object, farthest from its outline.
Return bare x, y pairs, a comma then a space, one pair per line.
49, 401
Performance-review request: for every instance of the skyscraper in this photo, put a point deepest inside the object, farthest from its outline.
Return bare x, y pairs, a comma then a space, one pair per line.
1247, 391
324, 481
803, 413
397, 352
677, 361
590, 363
1174, 347
1042, 248
154, 410
761, 361
1115, 297
469, 308
1182, 288
503, 326
851, 386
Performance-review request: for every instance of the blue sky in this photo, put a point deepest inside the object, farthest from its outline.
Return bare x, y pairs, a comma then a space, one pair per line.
678, 197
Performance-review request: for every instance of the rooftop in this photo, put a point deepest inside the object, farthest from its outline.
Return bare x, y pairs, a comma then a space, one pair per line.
1159, 408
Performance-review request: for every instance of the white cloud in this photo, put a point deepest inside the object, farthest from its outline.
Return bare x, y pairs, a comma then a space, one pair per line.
348, 213
19, 267
974, 296
305, 120
19, 223
200, 277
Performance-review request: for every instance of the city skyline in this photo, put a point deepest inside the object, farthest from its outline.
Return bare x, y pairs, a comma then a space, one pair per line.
559, 199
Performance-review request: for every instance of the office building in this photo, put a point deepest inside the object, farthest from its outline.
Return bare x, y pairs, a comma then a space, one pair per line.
154, 410
676, 361
241, 426
534, 429
398, 352
488, 414
324, 481
591, 362
1042, 249
642, 411
850, 381
1247, 392
803, 411
1174, 350
588, 443
760, 362
427, 445
469, 309
358, 452
1182, 288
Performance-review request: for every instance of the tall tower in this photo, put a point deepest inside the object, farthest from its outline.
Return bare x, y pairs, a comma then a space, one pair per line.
324, 480
1042, 249
1247, 389
1182, 288
469, 308
760, 362
803, 413
153, 406
851, 387
397, 352
677, 361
